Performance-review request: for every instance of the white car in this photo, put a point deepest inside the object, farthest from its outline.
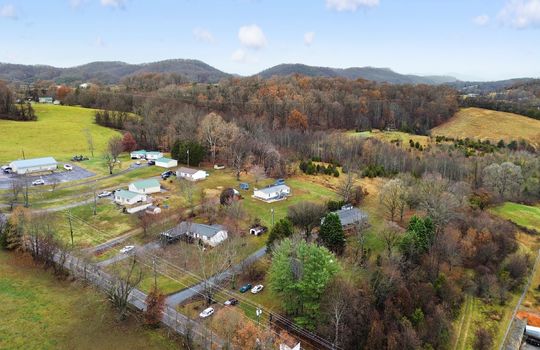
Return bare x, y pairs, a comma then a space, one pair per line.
127, 249
38, 182
207, 312
68, 167
104, 194
257, 289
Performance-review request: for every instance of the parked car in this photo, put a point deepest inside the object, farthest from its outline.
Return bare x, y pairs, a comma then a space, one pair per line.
244, 186
231, 302
279, 182
68, 167
257, 288
347, 207
151, 162
219, 166
138, 162
79, 158
207, 312
127, 249
245, 288
6, 169
104, 194
38, 182
165, 175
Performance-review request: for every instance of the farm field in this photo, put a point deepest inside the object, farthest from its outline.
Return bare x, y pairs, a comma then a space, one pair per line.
393, 136
58, 132
477, 123
522, 215
40, 312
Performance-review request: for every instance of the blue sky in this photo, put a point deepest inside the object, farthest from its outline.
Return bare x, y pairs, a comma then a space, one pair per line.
472, 39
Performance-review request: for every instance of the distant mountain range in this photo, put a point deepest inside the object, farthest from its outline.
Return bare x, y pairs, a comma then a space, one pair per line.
385, 75
198, 71
110, 72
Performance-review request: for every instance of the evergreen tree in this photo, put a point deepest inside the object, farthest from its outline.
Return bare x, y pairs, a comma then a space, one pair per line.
196, 151
282, 229
331, 233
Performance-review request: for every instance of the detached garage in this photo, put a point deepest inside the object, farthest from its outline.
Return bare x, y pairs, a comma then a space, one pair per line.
35, 165
166, 162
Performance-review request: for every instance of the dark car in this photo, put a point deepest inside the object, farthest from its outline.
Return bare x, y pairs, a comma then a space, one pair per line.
231, 302
245, 288
279, 182
151, 162
167, 174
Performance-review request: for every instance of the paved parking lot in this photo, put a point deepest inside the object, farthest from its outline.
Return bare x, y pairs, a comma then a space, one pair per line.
59, 176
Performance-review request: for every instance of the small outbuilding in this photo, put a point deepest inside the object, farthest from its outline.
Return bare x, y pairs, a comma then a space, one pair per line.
35, 165
154, 210
191, 174
48, 100
145, 186
257, 230
272, 193
166, 162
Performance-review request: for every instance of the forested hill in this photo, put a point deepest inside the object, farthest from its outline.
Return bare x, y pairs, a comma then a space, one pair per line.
110, 72
385, 75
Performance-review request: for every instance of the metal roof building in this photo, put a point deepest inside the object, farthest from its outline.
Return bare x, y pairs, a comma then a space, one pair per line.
34, 165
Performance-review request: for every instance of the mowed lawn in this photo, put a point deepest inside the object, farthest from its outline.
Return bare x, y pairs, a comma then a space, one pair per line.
40, 312
58, 132
478, 123
523, 215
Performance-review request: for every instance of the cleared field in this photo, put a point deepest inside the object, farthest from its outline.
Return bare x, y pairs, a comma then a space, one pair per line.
58, 132
478, 123
393, 136
40, 312
520, 214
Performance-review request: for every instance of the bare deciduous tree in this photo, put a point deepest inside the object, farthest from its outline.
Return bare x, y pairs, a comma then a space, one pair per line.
504, 179
393, 198
306, 215
89, 141
123, 285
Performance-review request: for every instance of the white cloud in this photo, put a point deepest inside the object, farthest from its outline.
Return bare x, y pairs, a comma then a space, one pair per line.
204, 35
481, 20
8, 11
308, 38
252, 36
350, 5
114, 3
239, 56
521, 13
100, 42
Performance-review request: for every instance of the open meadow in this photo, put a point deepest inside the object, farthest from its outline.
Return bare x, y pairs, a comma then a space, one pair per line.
484, 124
520, 214
40, 312
58, 132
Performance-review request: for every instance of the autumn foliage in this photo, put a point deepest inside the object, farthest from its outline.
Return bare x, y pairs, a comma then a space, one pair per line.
297, 120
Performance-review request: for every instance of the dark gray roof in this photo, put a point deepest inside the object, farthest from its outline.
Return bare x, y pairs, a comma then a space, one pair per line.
351, 216
195, 228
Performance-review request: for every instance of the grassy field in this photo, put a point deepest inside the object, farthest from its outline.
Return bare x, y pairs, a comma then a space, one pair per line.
393, 136
58, 132
477, 123
523, 215
40, 312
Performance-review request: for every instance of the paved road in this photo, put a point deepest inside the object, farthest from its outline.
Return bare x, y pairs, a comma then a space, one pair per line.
123, 256
174, 299
58, 176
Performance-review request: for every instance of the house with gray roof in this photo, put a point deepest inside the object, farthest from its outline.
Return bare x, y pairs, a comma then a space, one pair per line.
26, 166
147, 186
191, 174
349, 215
208, 234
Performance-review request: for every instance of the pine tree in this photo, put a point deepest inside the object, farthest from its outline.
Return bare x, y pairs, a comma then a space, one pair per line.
331, 233
282, 229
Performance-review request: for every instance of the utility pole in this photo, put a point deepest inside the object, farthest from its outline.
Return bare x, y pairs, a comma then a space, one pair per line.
70, 227
272, 210
187, 157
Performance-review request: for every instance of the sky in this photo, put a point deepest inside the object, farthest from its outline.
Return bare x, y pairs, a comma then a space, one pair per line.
469, 39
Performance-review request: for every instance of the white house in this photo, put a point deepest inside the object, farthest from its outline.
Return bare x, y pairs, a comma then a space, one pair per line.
166, 162
46, 100
191, 174
209, 234
140, 154
124, 197
153, 155
145, 186
272, 193
34, 165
